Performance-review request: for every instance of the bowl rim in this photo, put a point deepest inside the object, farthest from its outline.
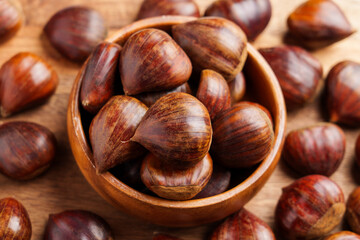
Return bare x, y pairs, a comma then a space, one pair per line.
279, 133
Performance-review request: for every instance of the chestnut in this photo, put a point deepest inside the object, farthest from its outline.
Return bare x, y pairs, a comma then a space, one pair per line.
237, 88
152, 61
99, 77
261, 107
11, 19
176, 129
251, 15
243, 136
129, 173
298, 72
343, 93
111, 129
75, 31
15, 223
353, 210
77, 224
153, 8
26, 80
318, 149
344, 235
27, 149
318, 23
309, 208
172, 183
221, 42
213, 92
243, 225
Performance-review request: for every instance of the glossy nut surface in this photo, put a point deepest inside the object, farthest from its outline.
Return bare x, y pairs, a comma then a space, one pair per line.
353, 210
26, 80
75, 31
15, 223
344, 235
11, 19
27, 149
237, 88
318, 149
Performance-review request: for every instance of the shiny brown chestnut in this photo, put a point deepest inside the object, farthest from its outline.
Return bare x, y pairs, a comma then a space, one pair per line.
221, 42
243, 136
213, 92
344, 235
318, 149
318, 23
99, 77
129, 173
237, 88
27, 149
153, 8
111, 129
343, 93
161, 236
75, 31
176, 129
26, 80
252, 16
309, 208
77, 224
152, 61
11, 18
15, 223
298, 72
149, 98
353, 210
261, 107
243, 225
172, 183
219, 182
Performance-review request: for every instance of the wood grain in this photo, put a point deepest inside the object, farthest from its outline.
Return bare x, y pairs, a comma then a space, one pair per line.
63, 187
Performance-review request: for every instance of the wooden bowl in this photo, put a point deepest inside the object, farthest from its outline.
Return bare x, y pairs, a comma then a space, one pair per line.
266, 91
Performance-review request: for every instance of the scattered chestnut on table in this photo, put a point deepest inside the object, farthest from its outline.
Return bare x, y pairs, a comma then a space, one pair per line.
251, 15
309, 208
75, 31
153, 8
343, 93
353, 210
344, 235
318, 23
26, 80
15, 223
318, 149
11, 19
298, 72
77, 224
27, 149
243, 225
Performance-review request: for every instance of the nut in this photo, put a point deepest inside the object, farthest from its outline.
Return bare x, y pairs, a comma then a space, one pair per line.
111, 130
232, 145
11, 19
152, 61
243, 225
152, 8
237, 88
176, 184
343, 93
176, 129
252, 16
14, 220
317, 149
298, 72
344, 235
129, 173
75, 31
353, 210
77, 224
221, 42
26, 80
213, 92
27, 149
309, 208
99, 77
318, 23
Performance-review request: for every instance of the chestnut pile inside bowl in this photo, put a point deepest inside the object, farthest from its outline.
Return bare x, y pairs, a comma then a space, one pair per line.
144, 123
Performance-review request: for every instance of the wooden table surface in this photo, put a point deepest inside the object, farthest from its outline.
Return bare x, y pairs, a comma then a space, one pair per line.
63, 187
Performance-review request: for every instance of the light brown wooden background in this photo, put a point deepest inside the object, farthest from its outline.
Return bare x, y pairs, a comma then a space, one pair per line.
63, 186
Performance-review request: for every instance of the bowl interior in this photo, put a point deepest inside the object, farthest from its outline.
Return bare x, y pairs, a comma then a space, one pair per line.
264, 89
